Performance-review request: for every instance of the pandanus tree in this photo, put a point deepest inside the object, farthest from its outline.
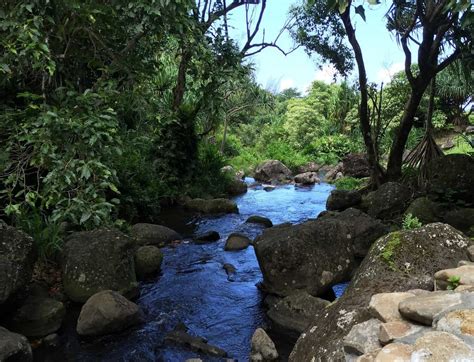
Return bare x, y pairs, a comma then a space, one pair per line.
441, 30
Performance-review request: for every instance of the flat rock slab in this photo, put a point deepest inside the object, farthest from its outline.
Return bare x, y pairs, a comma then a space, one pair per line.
237, 241
397, 330
363, 337
457, 322
384, 306
465, 274
398, 352
441, 346
423, 308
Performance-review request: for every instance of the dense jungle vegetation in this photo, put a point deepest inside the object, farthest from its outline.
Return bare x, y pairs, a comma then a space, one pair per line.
111, 109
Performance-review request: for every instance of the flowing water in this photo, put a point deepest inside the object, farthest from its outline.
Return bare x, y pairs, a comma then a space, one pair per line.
194, 289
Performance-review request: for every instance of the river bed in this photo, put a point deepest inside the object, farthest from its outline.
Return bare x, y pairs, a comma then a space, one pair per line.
194, 289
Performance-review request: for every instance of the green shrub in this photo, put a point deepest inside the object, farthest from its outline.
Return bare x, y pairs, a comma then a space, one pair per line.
410, 222
331, 149
349, 183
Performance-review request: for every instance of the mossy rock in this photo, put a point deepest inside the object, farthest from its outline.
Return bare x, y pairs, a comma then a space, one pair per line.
425, 210
451, 178
397, 262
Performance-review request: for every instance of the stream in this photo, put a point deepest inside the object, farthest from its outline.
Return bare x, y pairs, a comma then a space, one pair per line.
194, 289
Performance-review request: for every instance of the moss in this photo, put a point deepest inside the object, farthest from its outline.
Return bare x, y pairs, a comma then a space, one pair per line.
388, 251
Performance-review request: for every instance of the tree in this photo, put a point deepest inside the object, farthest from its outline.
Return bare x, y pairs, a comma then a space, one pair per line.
324, 29
443, 32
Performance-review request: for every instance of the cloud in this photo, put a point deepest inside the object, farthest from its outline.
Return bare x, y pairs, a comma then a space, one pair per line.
386, 73
286, 83
326, 74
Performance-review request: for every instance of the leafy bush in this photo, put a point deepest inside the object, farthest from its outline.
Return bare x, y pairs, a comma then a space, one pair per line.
331, 149
349, 183
59, 159
411, 222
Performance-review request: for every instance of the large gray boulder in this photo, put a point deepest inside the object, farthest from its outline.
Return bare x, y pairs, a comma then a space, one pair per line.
425, 210
262, 347
17, 258
314, 255
307, 178
107, 312
148, 261
236, 187
356, 165
38, 317
98, 260
293, 314
151, 234
272, 170
451, 178
340, 200
399, 261
389, 201
14, 347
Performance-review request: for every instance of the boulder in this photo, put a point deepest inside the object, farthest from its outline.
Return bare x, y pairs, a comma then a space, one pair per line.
17, 258
425, 210
363, 338
212, 206
384, 306
151, 234
148, 261
255, 219
356, 165
237, 241
98, 260
397, 330
14, 347
38, 317
107, 312
262, 347
269, 188
307, 178
462, 219
309, 167
399, 352
395, 263
423, 308
206, 237
389, 201
463, 275
236, 187
332, 172
293, 314
460, 322
441, 346
272, 170
340, 200
287, 254
451, 178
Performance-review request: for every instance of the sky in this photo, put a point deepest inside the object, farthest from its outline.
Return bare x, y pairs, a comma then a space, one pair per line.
276, 72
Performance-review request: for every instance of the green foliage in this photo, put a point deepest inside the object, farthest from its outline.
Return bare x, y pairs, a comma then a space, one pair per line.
46, 234
388, 251
453, 282
461, 145
331, 149
59, 158
349, 183
410, 222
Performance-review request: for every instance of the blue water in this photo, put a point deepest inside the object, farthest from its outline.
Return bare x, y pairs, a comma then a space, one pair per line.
194, 289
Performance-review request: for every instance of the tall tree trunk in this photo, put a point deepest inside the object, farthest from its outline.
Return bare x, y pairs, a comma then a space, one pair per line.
376, 171
224, 137
180, 88
395, 161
